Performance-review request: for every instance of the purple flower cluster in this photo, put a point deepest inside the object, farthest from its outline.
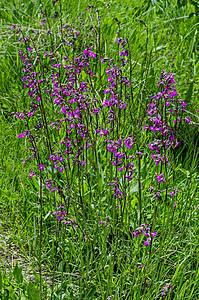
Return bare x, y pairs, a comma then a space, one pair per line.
67, 86
71, 100
105, 222
124, 52
146, 230
61, 215
163, 110
160, 178
165, 113
114, 103
165, 290
174, 192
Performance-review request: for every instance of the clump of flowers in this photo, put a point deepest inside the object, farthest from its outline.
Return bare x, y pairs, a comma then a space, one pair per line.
166, 112
165, 115
165, 290
146, 230
66, 114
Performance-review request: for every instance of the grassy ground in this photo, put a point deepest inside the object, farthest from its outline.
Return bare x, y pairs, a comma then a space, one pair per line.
106, 264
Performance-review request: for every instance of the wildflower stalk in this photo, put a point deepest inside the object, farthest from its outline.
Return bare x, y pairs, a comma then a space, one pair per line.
40, 234
140, 191
61, 24
55, 258
63, 251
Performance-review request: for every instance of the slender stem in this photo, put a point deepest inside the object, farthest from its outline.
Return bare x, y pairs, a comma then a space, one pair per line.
55, 260
140, 190
40, 235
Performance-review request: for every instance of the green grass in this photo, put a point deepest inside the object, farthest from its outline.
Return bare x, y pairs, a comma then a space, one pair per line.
106, 263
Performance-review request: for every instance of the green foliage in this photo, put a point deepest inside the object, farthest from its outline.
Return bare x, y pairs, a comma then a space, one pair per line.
17, 289
32, 291
17, 272
196, 5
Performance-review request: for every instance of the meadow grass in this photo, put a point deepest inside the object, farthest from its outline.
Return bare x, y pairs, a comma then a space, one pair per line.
104, 265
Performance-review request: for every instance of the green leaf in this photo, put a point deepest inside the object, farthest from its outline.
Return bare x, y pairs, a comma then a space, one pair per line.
48, 214
134, 201
91, 293
17, 272
7, 194
33, 293
189, 92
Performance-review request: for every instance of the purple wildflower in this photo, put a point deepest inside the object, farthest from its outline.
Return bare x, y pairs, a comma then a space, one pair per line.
139, 155
13, 26
165, 290
89, 7
105, 222
140, 267
146, 230
188, 119
41, 167
157, 195
160, 178
32, 174
174, 192
151, 189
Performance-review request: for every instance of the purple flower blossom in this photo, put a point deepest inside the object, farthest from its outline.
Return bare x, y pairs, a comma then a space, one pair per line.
174, 192
43, 21
188, 119
13, 26
60, 213
88, 52
116, 188
157, 195
32, 174
21, 135
121, 169
56, 14
139, 155
146, 230
160, 178
105, 222
151, 189
165, 290
129, 142
89, 7
140, 267
41, 167
147, 242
